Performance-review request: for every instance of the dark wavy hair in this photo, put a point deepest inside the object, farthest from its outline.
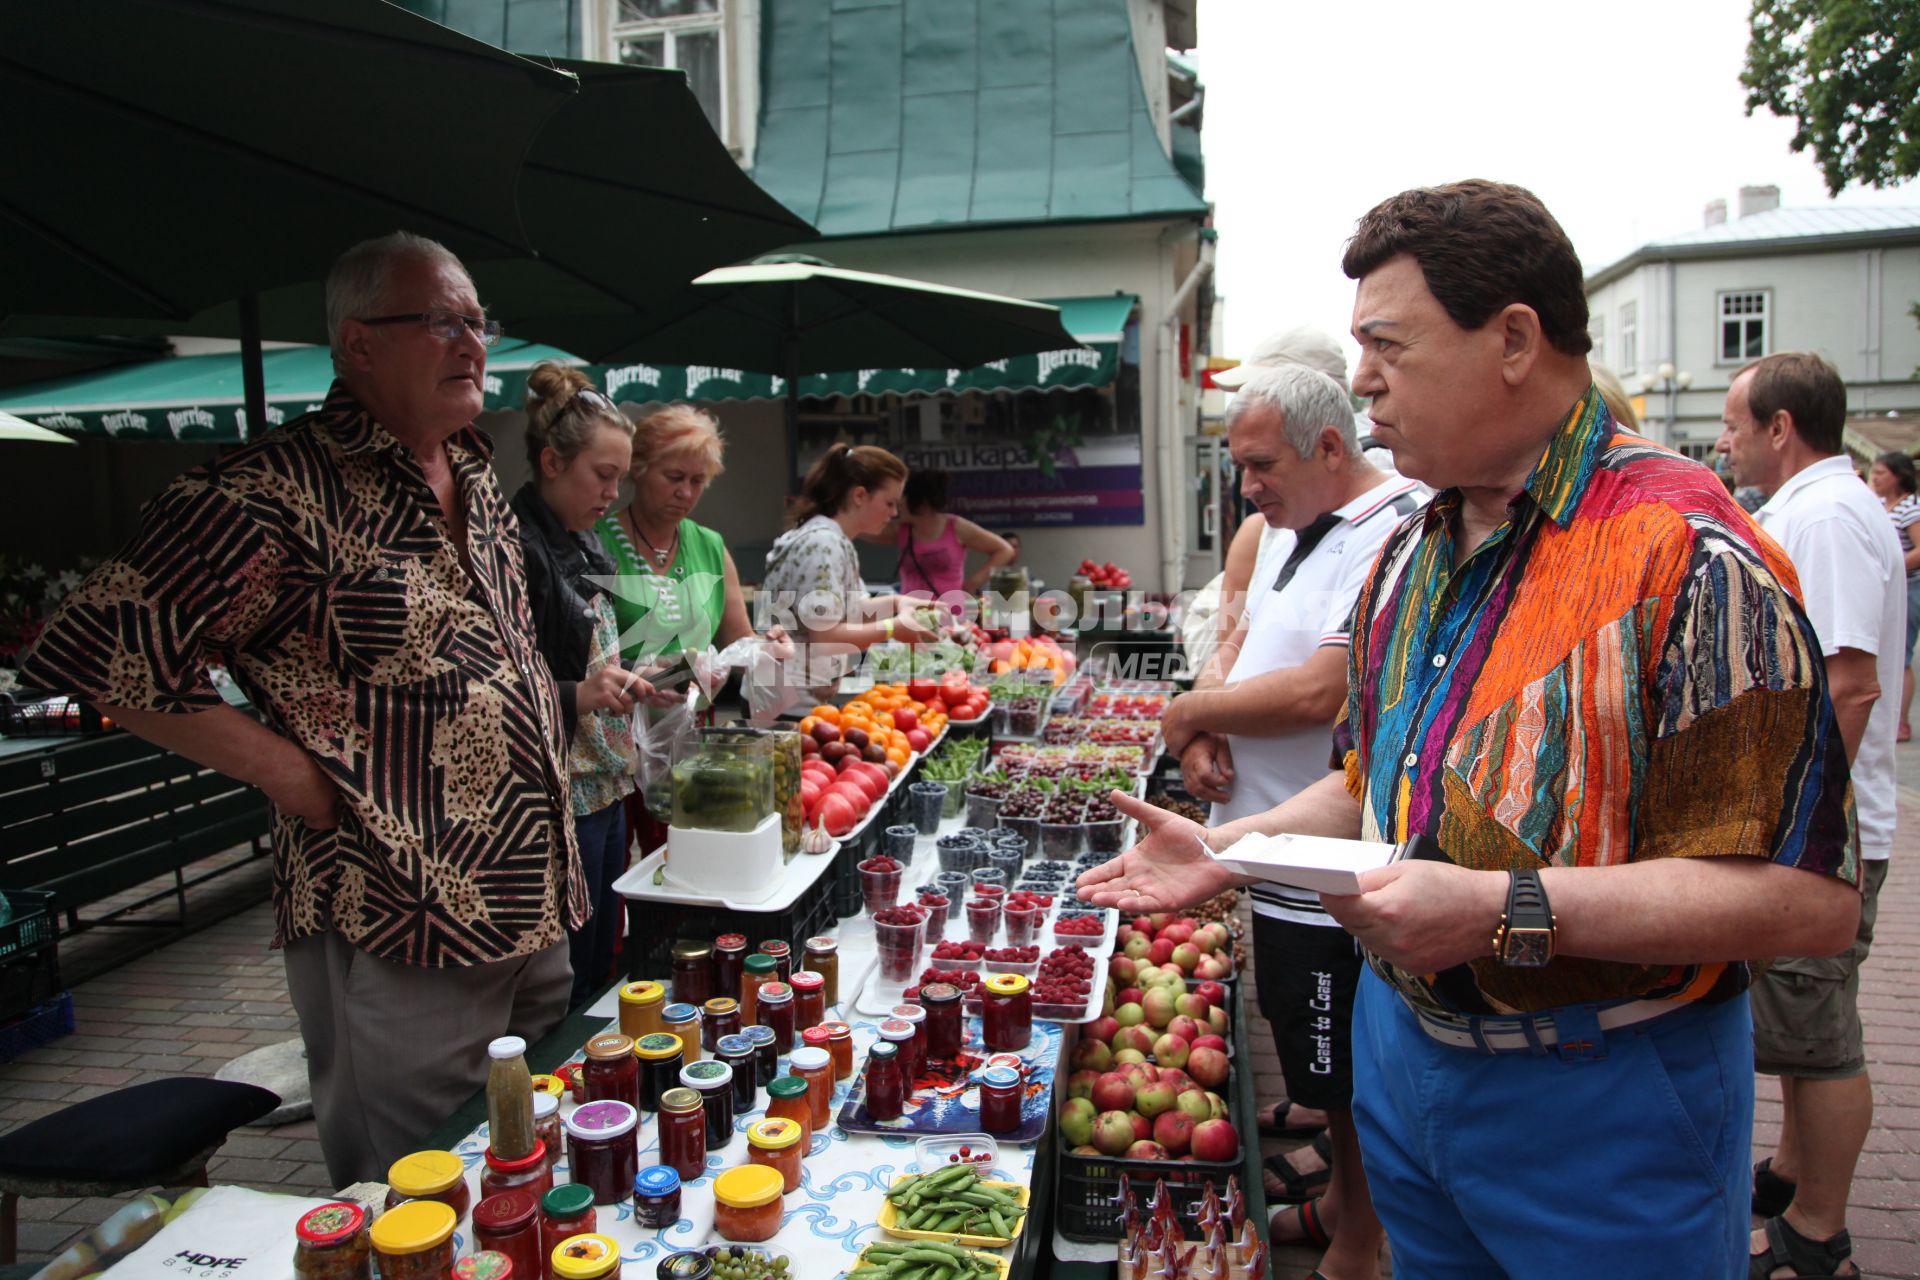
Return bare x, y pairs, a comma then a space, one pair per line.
841, 470
1900, 465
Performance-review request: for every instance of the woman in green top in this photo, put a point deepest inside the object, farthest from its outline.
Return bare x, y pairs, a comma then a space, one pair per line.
678, 587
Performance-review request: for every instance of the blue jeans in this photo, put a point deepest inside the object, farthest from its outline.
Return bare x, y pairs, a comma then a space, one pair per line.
602, 837
1634, 1163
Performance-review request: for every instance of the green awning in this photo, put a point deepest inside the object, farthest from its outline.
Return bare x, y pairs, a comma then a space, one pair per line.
199, 398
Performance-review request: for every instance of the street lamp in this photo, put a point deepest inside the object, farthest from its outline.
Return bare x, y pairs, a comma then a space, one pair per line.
1673, 381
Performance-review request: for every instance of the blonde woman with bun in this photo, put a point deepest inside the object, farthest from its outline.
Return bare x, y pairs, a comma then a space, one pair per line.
580, 446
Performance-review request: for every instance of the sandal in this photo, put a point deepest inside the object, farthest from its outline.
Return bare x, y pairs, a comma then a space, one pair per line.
1808, 1258
1771, 1192
1286, 1184
1272, 1124
1308, 1226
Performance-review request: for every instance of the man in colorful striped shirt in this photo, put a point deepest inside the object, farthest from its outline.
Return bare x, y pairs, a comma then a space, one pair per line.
1582, 679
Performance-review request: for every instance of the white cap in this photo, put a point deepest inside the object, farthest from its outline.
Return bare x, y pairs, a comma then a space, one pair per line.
544, 1104
1302, 345
811, 1058
507, 1047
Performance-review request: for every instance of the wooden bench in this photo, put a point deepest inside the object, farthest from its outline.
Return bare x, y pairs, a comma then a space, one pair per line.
91, 818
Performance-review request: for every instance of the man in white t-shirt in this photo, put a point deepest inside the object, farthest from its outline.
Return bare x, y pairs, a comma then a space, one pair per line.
1783, 422
1264, 733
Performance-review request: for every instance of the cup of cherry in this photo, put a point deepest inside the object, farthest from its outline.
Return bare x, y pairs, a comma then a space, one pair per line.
879, 883
898, 932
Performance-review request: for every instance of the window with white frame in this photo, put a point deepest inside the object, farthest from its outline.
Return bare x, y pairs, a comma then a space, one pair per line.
1629, 339
1744, 325
1597, 330
689, 35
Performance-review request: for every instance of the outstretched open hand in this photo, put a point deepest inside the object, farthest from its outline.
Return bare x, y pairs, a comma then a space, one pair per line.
1168, 869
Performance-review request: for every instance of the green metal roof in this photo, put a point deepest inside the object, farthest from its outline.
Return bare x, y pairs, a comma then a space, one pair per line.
893, 115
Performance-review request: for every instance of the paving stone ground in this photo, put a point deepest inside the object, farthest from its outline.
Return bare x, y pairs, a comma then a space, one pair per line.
193, 1004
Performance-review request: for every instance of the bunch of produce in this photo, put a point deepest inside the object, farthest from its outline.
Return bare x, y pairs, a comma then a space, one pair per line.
839, 791
923, 1260
1111, 731
735, 1262
1148, 1079
1131, 758
1108, 575
1122, 685
1128, 706
1030, 653
954, 761
896, 661
955, 1199
1196, 950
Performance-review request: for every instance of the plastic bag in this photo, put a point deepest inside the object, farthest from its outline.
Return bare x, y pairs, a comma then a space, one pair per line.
769, 687
663, 735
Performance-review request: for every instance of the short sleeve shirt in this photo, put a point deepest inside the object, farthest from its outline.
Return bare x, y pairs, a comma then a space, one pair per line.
315, 565
1904, 514
1620, 672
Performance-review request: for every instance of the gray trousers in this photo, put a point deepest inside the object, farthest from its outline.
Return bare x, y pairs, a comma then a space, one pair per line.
394, 1049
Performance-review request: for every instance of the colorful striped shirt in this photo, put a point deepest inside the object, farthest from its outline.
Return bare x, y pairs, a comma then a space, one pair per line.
1620, 672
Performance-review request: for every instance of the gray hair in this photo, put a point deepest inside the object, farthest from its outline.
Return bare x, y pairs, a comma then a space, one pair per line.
1303, 345
357, 283
1307, 400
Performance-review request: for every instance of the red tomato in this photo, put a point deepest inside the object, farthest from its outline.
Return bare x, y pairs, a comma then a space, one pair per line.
922, 690
918, 739
873, 787
837, 812
904, 720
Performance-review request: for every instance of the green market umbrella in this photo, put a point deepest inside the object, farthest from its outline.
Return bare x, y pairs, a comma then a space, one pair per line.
12, 428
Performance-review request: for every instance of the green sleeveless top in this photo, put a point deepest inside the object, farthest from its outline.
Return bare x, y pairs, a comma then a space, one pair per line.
663, 614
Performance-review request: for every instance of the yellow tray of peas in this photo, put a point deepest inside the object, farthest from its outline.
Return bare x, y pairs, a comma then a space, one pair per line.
955, 1204
883, 1261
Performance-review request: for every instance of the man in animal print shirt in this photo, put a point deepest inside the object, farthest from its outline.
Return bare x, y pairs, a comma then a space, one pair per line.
358, 572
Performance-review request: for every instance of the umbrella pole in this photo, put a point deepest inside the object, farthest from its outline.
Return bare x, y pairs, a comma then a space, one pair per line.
793, 387
252, 365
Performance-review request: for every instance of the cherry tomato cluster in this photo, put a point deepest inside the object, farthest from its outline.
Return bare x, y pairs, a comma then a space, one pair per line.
959, 951
1066, 977
1015, 955
971, 1156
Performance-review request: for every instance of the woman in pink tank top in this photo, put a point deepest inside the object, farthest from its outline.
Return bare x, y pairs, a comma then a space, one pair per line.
934, 545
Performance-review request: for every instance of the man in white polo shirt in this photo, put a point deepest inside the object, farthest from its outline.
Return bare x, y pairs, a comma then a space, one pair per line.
1264, 733
1782, 432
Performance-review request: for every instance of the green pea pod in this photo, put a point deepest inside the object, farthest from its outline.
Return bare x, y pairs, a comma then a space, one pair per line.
999, 1224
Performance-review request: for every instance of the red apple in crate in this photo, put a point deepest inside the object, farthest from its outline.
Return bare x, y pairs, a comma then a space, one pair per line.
1137, 1038
1207, 1066
1191, 1003
1205, 941
1154, 1098
1184, 1027
1092, 1055
1215, 1141
1177, 932
1113, 1132
1128, 995
1103, 1029
1213, 993
1128, 1057
1088, 1150
1213, 967
1143, 924
1142, 1127
1159, 1007
1217, 1020
1192, 1103
1218, 1104
1210, 1041
1160, 920
1139, 1074
1113, 1092
1076, 1120
1145, 1150
1176, 1078
1080, 1084
1120, 969
1160, 951
1171, 1049
1174, 1130
1137, 947
1127, 1013
1186, 957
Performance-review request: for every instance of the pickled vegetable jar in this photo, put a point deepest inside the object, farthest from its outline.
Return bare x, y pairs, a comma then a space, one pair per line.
640, 1005
586, 1258
722, 788
509, 1223
602, 1150
660, 1062
776, 1144
1006, 1012
509, 1098
429, 1175
414, 1241
746, 1203
331, 1243
610, 1073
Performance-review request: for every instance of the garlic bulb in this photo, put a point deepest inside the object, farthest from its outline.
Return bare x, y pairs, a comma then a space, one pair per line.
816, 840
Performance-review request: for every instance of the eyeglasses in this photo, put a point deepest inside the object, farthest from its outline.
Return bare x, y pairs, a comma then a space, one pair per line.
446, 325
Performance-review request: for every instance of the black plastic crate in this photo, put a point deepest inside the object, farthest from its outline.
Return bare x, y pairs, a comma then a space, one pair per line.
847, 898
1088, 1205
42, 1025
33, 925
28, 980
653, 927
25, 715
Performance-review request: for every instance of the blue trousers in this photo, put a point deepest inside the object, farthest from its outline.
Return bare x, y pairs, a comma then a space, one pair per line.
1628, 1162
602, 837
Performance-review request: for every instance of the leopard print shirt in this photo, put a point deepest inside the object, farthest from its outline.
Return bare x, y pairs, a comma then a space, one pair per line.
316, 566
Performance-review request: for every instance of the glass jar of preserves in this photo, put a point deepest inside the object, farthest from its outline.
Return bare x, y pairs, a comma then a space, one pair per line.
822, 956
776, 1011
776, 1144
719, 1017
683, 1020
809, 1000
532, 1173
886, 1095
713, 1081
586, 1258
546, 1124
766, 1054
610, 1074
331, 1243
485, 1264
509, 1098
817, 1038
1001, 1089
640, 1006
729, 961
429, 1175
660, 1062
746, 1204
683, 1132
688, 1264
737, 1052
602, 1149
553, 1086
914, 1057
692, 973
755, 971
509, 1223
565, 1211
840, 1042
414, 1241
782, 954
1006, 1012
899, 1034
942, 1028
656, 1198
815, 1066
787, 1100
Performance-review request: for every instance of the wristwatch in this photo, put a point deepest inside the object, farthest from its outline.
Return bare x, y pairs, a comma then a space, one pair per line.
1524, 938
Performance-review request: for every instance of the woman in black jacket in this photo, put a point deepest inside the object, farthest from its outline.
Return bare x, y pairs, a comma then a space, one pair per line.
580, 446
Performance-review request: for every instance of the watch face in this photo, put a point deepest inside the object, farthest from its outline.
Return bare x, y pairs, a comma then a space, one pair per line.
1528, 948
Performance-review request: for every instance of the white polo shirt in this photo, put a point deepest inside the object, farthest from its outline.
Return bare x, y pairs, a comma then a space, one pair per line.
1297, 605
1854, 582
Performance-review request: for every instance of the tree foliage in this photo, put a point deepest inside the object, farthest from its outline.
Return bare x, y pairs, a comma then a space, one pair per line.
1847, 72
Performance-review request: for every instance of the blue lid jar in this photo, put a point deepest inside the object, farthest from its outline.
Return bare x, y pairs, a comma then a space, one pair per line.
656, 1198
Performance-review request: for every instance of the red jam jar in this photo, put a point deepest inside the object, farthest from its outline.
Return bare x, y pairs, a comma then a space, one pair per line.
429, 1175
565, 1212
602, 1149
776, 1144
1006, 1012
886, 1094
840, 1041
782, 954
509, 1223
912, 1061
899, 1034
610, 1074
809, 999
818, 1038
719, 1018
776, 1011
532, 1173
747, 1204
683, 1133
942, 1028
729, 962
693, 979
1001, 1090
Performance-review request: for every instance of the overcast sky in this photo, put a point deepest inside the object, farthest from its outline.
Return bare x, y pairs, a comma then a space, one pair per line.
1625, 118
